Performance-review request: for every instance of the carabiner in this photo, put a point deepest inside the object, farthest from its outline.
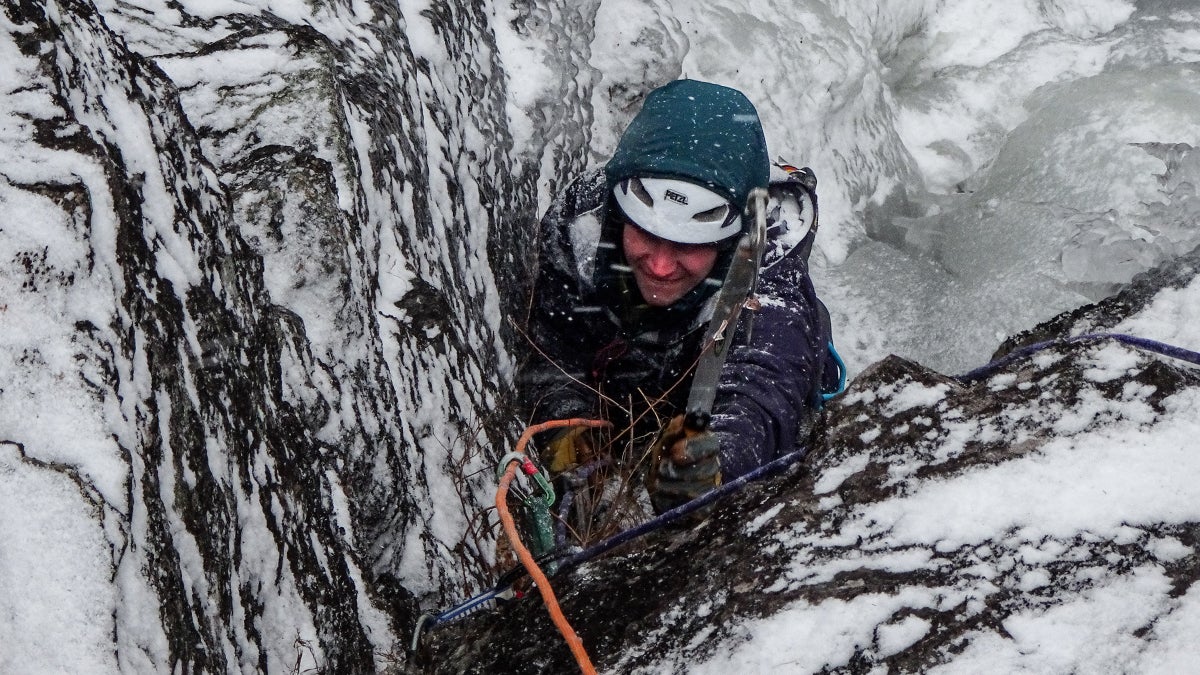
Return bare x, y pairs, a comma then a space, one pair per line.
529, 468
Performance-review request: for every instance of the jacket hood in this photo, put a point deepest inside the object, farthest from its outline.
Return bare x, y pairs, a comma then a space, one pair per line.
697, 131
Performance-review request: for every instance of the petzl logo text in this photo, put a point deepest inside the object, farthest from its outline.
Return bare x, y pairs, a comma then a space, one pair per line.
676, 197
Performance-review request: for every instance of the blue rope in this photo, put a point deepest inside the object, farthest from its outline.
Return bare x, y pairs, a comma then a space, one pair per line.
495, 593
770, 468
1028, 350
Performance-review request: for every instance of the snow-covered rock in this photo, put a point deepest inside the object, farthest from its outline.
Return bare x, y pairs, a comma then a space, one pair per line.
249, 323
259, 258
1042, 517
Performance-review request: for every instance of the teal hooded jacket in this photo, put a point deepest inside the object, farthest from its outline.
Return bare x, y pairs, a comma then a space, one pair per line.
595, 354
698, 131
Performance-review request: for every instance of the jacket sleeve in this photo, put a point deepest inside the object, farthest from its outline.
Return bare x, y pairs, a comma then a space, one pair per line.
552, 377
764, 399
553, 371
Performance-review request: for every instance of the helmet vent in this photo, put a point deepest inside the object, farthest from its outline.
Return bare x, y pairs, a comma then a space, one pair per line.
714, 215
639, 191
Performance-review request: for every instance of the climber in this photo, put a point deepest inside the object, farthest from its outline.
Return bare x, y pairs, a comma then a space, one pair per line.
630, 264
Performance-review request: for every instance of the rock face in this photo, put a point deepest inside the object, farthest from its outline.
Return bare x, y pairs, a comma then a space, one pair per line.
1034, 518
249, 319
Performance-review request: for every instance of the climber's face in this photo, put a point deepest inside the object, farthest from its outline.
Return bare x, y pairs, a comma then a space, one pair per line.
665, 270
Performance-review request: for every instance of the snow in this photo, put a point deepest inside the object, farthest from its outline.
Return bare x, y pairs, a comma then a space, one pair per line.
831, 478
56, 599
1171, 318
892, 638
1010, 131
1091, 635
1101, 480
804, 638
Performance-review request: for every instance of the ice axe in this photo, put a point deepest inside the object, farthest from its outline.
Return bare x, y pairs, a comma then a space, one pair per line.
736, 292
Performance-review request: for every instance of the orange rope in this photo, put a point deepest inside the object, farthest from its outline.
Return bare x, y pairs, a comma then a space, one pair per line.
535, 572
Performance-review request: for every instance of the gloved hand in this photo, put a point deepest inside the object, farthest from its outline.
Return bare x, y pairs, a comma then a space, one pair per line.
569, 448
684, 465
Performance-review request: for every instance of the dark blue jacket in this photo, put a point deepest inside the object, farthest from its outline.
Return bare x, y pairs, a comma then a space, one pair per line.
599, 353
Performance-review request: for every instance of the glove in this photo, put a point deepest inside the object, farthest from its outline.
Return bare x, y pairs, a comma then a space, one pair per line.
684, 465
569, 448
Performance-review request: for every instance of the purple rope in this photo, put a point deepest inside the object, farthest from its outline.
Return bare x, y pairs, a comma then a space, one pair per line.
789, 459
1028, 350
632, 533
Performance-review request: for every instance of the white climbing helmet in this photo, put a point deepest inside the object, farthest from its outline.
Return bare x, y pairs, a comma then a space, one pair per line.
677, 210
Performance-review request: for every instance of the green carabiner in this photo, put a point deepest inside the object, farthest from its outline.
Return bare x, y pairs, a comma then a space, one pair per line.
529, 469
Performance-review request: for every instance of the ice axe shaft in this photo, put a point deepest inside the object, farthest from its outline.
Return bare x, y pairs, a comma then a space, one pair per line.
738, 286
